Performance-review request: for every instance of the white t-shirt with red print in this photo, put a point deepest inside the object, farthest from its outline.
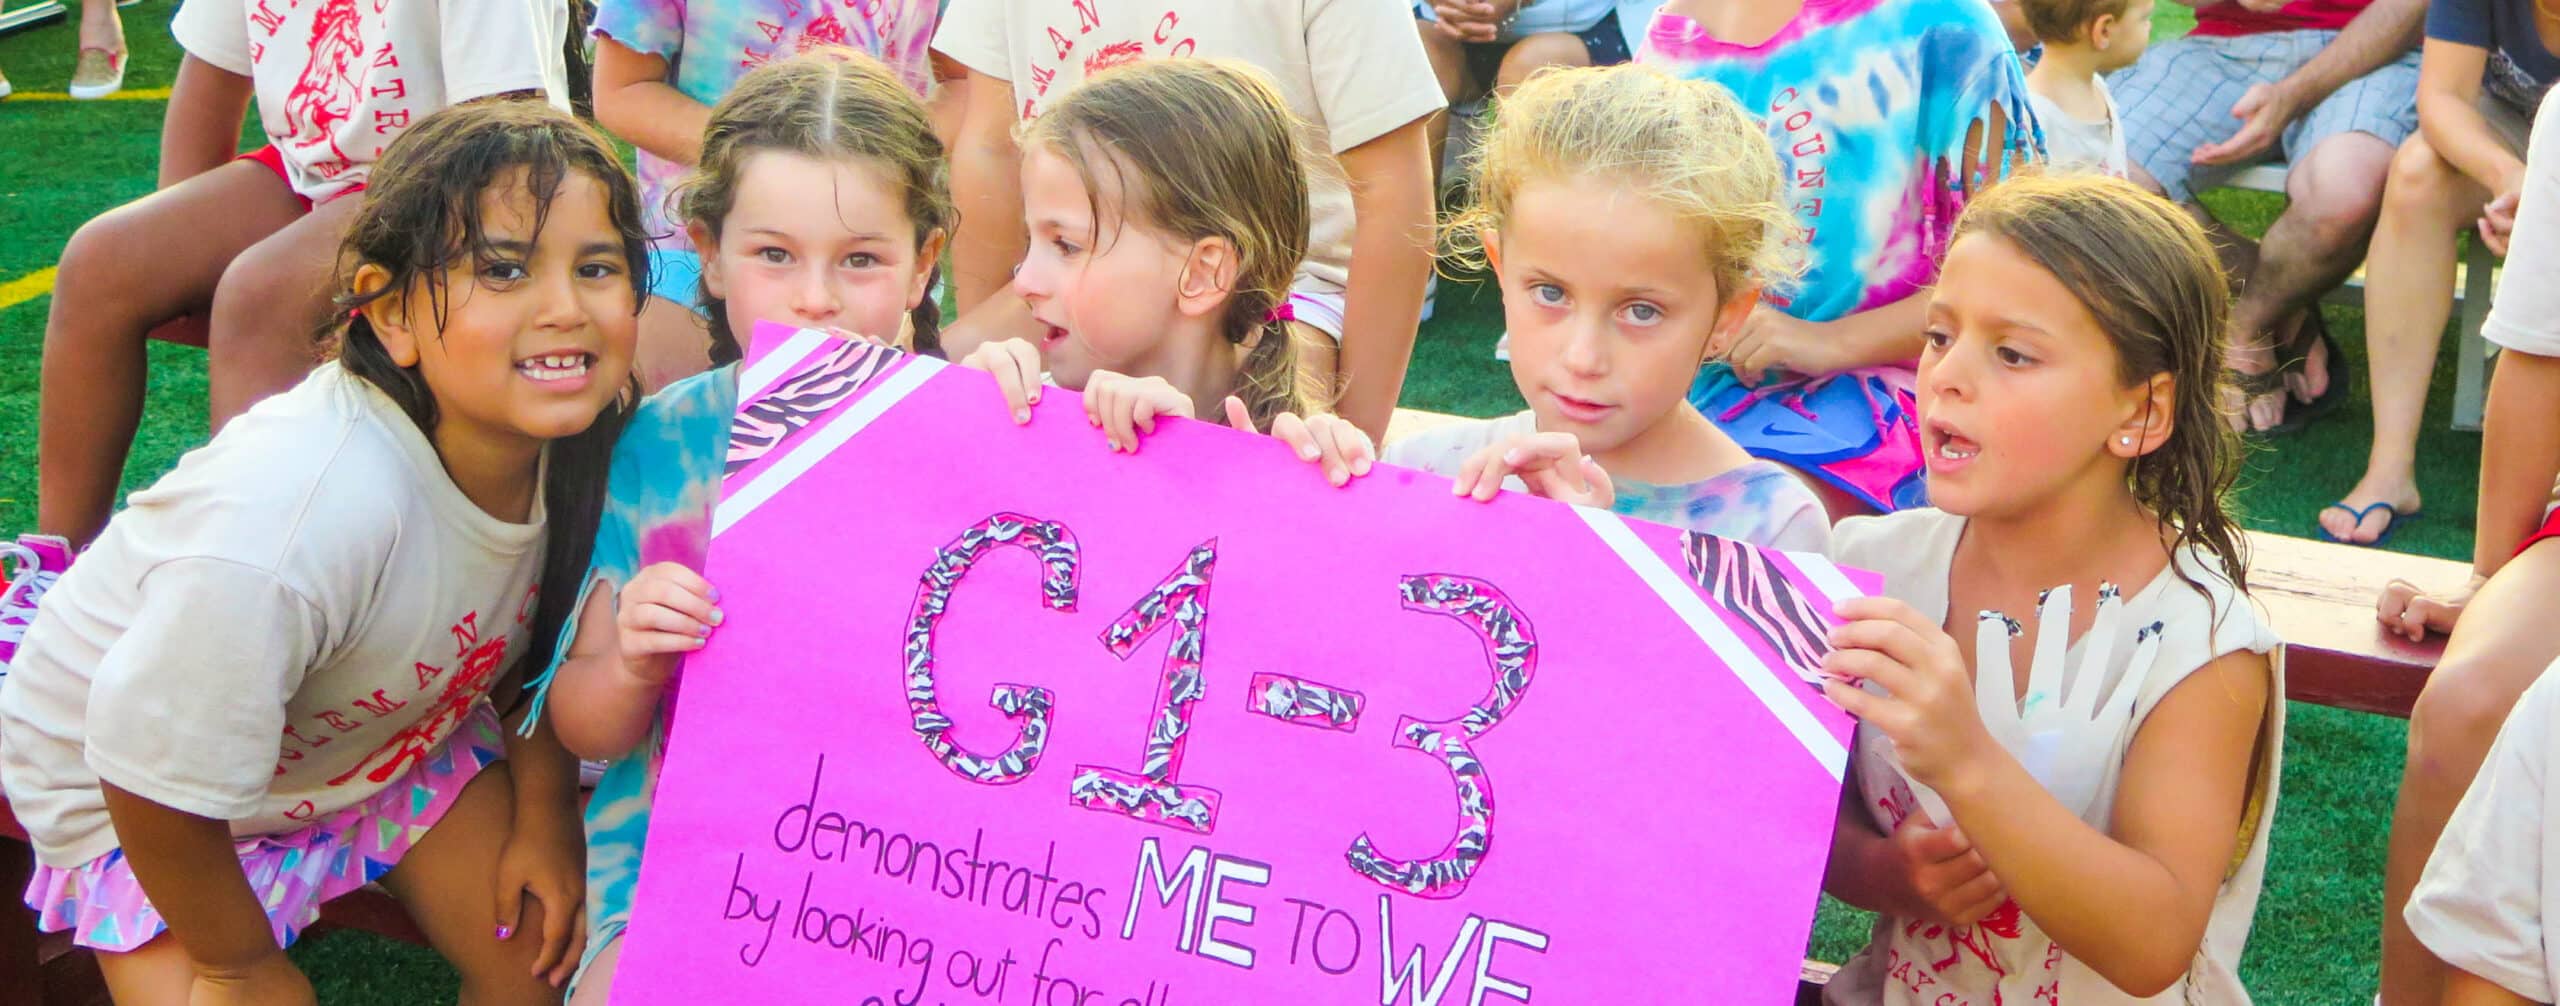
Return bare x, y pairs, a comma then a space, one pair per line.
1354, 70
336, 80
298, 614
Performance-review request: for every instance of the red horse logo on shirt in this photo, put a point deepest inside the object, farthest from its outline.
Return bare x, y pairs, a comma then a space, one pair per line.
325, 95
826, 29
480, 661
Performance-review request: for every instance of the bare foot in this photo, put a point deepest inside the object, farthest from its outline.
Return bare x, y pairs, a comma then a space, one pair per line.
2312, 381
2402, 496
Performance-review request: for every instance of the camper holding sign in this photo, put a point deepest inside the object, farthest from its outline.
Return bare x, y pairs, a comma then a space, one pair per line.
1167, 205
2109, 826
819, 202
268, 683
1629, 217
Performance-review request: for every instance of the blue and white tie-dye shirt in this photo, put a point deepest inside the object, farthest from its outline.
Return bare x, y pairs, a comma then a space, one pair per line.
1869, 103
658, 500
709, 44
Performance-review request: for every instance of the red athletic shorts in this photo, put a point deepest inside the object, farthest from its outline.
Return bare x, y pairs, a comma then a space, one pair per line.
273, 160
2550, 529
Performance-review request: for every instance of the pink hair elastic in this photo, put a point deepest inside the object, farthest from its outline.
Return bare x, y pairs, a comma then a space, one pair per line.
1285, 312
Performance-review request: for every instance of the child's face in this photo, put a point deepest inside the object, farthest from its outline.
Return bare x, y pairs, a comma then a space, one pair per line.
538, 338
2019, 397
2131, 35
1610, 308
1107, 289
817, 244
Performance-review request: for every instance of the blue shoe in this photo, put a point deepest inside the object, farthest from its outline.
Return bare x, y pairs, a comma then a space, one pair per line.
2388, 528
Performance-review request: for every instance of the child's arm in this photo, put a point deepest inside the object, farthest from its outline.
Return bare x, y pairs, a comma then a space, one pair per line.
188, 869
2132, 905
544, 857
986, 182
635, 102
2462, 988
201, 131
607, 689
1390, 264
1919, 872
1773, 340
2519, 458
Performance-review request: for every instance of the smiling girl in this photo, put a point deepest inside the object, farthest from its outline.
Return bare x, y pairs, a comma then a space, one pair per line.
268, 683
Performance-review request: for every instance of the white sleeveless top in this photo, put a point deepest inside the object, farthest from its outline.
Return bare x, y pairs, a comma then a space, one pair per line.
2006, 958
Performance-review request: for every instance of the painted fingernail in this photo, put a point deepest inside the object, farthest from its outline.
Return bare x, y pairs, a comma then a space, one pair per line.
715, 595
717, 616
506, 931
1021, 415
704, 631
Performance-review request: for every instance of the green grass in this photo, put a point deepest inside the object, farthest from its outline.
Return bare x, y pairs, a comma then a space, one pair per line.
65, 162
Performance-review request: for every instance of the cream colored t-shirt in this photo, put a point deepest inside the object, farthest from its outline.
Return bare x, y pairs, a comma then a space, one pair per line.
338, 79
298, 614
2526, 316
1354, 70
1913, 963
2484, 901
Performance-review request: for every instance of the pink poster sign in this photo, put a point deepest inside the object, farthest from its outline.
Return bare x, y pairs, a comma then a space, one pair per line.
1000, 717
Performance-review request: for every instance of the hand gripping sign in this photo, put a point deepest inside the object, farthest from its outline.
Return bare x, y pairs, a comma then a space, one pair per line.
999, 717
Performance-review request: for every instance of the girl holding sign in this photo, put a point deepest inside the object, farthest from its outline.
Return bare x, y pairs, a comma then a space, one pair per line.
2107, 817
1167, 204
1629, 216
820, 203
267, 684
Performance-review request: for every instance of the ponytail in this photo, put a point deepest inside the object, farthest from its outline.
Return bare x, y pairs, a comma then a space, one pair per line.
1268, 380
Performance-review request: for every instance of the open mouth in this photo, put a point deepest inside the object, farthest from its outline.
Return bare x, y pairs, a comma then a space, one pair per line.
551, 367
1053, 338
1946, 444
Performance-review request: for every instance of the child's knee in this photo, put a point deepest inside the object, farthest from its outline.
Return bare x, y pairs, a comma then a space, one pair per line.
113, 246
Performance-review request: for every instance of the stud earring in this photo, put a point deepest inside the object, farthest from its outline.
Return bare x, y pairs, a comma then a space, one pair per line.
2127, 441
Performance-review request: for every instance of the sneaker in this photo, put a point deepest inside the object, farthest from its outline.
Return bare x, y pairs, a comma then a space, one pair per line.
4, 85
99, 73
1430, 295
1502, 347
36, 561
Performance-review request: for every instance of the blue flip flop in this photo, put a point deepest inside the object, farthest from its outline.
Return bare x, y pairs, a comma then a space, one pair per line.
2393, 525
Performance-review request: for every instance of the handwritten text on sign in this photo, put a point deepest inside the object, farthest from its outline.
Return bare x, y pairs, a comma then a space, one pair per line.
997, 717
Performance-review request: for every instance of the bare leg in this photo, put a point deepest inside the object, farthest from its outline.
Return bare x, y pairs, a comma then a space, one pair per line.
269, 311
674, 344
123, 274
156, 974
100, 28
2336, 194
448, 882
1538, 52
2504, 641
2408, 298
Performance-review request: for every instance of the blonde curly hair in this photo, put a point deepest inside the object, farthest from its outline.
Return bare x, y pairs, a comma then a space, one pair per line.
1686, 146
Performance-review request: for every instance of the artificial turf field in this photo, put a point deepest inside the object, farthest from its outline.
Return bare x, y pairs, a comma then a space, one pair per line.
62, 162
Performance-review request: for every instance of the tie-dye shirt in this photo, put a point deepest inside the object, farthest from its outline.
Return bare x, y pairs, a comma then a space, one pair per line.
709, 44
658, 500
1868, 103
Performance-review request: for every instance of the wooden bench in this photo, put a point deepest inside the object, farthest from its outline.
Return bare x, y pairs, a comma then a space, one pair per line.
2474, 283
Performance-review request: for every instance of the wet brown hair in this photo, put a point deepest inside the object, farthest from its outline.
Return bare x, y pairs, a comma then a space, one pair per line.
828, 104
2067, 21
421, 218
2146, 271
1203, 148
